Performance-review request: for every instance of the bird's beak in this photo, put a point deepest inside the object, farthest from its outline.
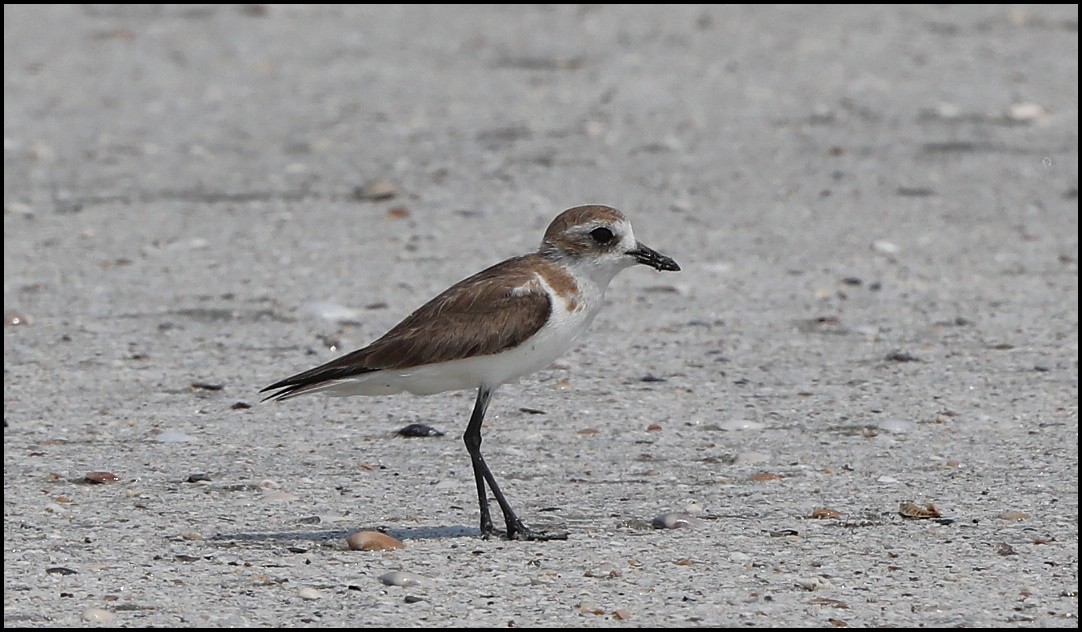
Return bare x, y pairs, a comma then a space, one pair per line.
654, 259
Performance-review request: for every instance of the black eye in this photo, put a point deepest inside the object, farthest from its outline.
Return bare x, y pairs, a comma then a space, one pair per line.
601, 235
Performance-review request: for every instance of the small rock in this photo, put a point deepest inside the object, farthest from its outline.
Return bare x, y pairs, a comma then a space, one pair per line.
901, 356
241, 406
764, 477
61, 570
419, 430
912, 510
198, 477
820, 513
675, 520
621, 614
813, 583
885, 247
97, 615
100, 478
373, 541
376, 189
14, 318
653, 428
308, 593
398, 212
1005, 549
400, 578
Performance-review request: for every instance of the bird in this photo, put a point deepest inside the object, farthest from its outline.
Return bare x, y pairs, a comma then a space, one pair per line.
505, 322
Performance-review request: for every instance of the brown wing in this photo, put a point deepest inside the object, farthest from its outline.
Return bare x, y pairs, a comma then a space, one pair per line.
491, 311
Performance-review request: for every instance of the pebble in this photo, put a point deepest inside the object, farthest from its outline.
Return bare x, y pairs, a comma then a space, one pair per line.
813, 583
308, 593
419, 430
13, 318
376, 189
373, 541
97, 615
400, 578
675, 520
886, 479
100, 478
885, 247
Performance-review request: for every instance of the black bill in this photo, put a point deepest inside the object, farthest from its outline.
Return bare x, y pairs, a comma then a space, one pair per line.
654, 259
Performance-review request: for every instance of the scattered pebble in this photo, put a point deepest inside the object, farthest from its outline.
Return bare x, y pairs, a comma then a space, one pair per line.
308, 593
61, 570
653, 428
763, 477
198, 477
398, 212
419, 430
376, 189
1028, 112
97, 615
885, 247
901, 356
652, 378
675, 520
207, 386
912, 510
813, 583
400, 578
14, 318
373, 541
820, 513
241, 406
621, 614
1005, 549
100, 478
533, 411
563, 384
889, 480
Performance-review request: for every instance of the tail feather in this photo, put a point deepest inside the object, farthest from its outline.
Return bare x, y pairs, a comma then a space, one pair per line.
312, 380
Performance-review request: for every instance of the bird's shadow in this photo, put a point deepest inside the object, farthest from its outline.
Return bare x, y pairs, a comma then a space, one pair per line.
332, 535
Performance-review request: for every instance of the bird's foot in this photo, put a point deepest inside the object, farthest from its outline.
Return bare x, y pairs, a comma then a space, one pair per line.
522, 533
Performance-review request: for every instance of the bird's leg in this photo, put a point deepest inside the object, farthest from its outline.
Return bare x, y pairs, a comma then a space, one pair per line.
472, 438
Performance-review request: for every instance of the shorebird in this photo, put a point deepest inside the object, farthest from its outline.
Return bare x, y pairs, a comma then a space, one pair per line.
492, 328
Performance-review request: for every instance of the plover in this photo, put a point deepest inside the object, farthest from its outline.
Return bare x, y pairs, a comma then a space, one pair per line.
492, 328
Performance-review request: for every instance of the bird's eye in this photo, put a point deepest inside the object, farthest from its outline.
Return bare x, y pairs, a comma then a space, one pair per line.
601, 235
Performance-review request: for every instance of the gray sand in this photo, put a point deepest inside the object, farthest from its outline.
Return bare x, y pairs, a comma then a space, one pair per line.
876, 211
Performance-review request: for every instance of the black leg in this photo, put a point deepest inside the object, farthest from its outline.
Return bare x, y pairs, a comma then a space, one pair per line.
481, 474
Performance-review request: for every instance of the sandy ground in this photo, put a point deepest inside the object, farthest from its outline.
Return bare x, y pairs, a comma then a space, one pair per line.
876, 211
